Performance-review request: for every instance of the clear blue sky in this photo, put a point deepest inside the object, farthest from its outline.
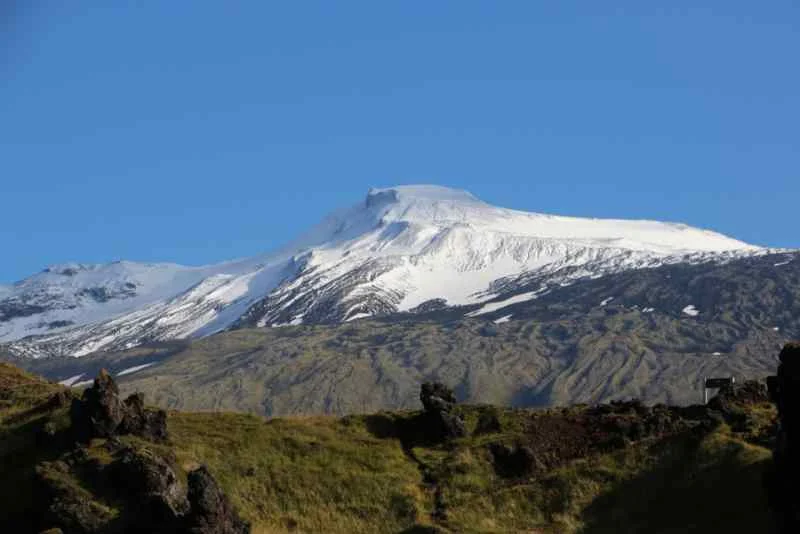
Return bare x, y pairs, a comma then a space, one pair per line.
197, 131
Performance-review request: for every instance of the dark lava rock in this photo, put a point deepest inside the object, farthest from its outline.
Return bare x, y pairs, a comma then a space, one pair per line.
150, 482
139, 421
145, 487
101, 413
447, 425
513, 461
438, 420
435, 396
211, 511
139, 491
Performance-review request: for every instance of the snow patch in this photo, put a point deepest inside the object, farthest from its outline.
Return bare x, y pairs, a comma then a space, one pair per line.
358, 316
691, 311
606, 301
503, 319
135, 368
494, 306
71, 380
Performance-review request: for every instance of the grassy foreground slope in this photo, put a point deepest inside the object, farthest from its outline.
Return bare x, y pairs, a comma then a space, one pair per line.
333, 475
620, 468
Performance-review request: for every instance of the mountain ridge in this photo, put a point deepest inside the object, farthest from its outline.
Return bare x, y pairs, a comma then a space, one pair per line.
396, 250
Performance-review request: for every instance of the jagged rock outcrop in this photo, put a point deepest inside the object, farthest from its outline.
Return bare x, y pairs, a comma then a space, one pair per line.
435, 396
783, 482
139, 421
102, 414
144, 485
100, 411
211, 511
441, 423
141, 481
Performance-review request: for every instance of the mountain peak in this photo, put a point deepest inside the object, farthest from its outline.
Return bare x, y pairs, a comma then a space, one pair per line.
424, 204
422, 192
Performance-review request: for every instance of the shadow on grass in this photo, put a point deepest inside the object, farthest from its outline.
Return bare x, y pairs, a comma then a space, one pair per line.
413, 429
693, 489
21, 449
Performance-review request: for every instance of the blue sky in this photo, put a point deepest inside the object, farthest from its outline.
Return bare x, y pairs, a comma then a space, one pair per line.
194, 131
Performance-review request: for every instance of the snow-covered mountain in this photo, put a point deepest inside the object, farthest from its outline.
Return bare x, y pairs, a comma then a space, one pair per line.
402, 249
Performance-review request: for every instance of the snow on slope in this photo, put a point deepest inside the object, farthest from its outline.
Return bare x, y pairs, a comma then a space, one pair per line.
399, 249
407, 245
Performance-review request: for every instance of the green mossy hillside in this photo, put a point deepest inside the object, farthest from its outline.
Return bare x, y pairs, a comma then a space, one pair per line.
620, 468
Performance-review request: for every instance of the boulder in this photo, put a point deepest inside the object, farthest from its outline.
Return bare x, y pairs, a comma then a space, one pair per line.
151, 481
211, 511
439, 421
435, 396
100, 411
447, 425
140, 421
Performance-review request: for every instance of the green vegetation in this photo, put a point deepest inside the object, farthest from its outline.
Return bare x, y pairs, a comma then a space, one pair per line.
596, 471
325, 474
303, 474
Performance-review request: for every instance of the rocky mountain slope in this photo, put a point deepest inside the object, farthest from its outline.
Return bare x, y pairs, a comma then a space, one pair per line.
650, 333
404, 249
